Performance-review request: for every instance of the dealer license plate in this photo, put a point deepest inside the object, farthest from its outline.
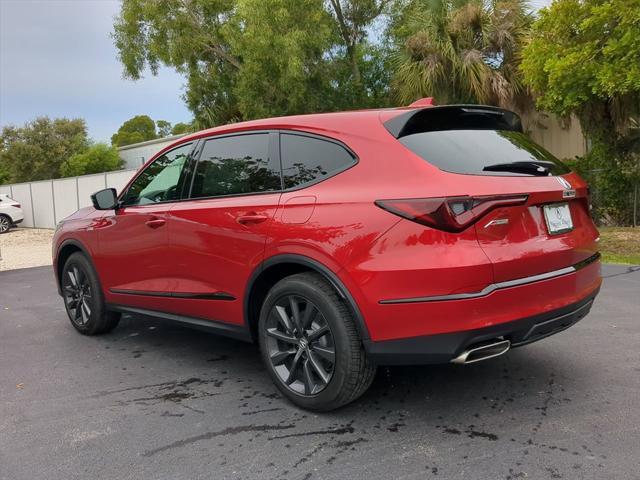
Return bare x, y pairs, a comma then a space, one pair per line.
558, 218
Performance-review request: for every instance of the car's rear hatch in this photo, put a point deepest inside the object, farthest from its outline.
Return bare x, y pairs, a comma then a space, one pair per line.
538, 220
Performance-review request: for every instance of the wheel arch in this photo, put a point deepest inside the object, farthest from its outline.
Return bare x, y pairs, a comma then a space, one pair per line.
274, 269
65, 250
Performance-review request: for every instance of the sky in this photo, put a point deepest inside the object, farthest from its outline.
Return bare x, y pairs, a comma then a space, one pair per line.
57, 59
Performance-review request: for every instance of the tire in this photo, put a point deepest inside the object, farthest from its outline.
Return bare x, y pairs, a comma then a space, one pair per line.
83, 297
5, 223
299, 360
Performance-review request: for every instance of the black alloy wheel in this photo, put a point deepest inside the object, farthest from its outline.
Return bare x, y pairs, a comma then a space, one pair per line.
300, 345
310, 344
78, 296
83, 298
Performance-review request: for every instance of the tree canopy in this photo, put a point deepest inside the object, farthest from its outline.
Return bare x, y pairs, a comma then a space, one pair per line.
584, 58
137, 129
181, 128
37, 150
244, 59
98, 158
461, 51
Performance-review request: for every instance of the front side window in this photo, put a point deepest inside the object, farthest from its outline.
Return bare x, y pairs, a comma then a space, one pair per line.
236, 165
307, 159
159, 182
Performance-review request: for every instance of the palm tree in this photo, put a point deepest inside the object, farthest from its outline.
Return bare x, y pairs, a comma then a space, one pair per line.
462, 51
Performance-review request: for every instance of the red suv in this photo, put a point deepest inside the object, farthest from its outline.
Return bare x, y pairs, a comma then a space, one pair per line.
342, 241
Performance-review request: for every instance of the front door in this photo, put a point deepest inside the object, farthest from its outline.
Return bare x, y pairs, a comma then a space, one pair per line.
133, 241
218, 237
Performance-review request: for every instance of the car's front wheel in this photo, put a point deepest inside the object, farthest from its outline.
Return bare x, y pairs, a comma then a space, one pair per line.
310, 344
83, 298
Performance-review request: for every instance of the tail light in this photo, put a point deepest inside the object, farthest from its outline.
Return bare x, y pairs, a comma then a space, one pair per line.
17, 205
451, 214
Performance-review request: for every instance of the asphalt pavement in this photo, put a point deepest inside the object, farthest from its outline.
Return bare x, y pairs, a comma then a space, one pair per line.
155, 401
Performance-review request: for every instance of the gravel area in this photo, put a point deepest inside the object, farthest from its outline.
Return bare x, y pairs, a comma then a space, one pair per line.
25, 247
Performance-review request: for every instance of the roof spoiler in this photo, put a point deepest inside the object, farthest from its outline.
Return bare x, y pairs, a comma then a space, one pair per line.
451, 117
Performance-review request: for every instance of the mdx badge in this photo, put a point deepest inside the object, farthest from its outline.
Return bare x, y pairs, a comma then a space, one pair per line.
569, 192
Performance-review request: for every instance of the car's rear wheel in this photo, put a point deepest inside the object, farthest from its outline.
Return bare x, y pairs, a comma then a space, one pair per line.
5, 223
83, 298
310, 344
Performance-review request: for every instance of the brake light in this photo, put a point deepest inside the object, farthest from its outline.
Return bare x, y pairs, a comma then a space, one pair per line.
451, 214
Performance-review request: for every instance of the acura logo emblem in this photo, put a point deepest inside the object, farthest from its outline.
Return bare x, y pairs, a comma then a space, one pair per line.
563, 182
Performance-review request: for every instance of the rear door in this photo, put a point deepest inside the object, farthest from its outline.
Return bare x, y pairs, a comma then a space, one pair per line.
551, 230
218, 237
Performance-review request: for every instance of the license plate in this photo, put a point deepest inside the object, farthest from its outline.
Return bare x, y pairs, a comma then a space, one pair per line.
558, 218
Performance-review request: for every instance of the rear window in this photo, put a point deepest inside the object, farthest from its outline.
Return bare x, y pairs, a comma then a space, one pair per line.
484, 152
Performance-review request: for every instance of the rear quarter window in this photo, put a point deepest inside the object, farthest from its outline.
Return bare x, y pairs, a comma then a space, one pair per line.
307, 160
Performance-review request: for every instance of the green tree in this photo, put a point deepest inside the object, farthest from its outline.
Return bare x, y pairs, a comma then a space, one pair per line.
181, 128
352, 18
99, 158
164, 128
137, 129
461, 52
5, 174
583, 58
282, 45
36, 150
244, 59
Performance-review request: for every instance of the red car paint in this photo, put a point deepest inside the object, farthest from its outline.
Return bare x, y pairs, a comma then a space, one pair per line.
174, 251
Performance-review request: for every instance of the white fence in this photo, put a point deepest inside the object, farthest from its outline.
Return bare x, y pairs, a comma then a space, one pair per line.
47, 202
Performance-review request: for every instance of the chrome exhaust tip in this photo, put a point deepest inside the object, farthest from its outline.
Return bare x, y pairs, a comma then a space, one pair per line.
483, 352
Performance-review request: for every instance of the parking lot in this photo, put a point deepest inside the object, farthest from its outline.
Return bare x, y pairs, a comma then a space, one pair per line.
156, 401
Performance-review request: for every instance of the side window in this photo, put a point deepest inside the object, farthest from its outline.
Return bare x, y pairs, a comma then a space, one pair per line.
308, 159
234, 166
159, 182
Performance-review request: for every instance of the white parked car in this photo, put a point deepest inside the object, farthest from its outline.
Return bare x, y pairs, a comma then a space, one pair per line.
10, 213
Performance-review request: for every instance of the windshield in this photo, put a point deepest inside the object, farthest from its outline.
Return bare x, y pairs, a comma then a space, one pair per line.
484, 152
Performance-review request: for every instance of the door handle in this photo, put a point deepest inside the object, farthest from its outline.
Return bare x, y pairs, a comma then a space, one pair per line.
251, 218
155, 222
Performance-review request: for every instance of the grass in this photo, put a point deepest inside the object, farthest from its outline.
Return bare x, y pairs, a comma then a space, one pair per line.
620, 245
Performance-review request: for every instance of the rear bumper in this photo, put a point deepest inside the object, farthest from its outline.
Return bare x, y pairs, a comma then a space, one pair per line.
444, 347
437, 329
16, 222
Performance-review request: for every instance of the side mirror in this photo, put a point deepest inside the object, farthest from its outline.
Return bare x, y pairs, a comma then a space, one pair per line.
105, 199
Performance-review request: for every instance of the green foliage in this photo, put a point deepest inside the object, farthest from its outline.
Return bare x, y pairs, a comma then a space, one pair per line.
283, 69
584, 58
164, 128
5, 174
244, 59
37, 150
137, 129
461, 51
612, 179
181, 128
98, 158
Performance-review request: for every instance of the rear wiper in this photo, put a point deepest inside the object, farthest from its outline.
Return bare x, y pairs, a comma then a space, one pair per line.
531, 168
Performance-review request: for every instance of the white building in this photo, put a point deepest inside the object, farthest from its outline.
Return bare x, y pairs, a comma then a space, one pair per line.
136, 154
